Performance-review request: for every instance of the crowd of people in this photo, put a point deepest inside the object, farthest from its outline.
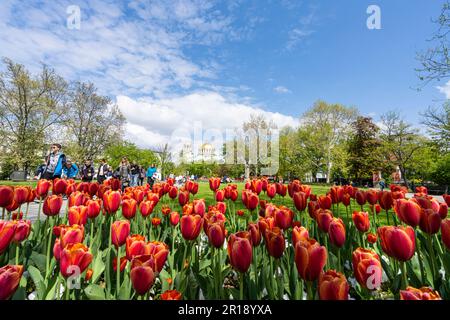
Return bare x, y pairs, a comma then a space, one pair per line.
57, 165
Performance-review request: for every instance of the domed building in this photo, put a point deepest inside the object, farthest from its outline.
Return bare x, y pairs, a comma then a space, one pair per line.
206, 152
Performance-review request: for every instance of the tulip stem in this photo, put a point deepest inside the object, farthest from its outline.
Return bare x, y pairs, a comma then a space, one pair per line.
422, 272
49, 243
118, 272
108, 259
432, 256
339, 260
387, 216
241, 287
91, 240
26, 212
309, 290
17, 253
404, 275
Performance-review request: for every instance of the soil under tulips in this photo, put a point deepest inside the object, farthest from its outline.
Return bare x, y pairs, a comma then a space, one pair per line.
252, 241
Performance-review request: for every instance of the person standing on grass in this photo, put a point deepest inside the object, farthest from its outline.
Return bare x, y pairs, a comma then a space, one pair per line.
70, 170
141, 175
134, 174
54, 163
124, 173
150, 175
87, 173
102, 171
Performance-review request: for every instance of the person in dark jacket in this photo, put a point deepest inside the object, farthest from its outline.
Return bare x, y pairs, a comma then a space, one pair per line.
87, 172
54, 163
102, 171
40, 170
123, 172
134, 170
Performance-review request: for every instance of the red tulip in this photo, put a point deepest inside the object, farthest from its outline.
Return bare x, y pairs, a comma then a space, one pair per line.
408, 211
171, 295
360, 197
93, 208
398, 242
74, 255
129, 207
199, 207
52, 205
336, 231
222, 207
234, 195
255, 233
156, 221
57, 249
136, 245
78, 215
111, 201
299, 233
42, 188
346, 199
281, 189
252, 201
159, 251
240, 250
385, 199
174, 218
190, 226
220, 195
325, 202
59, 186
337, 194
21, 194
69, 234
216, 234
22, 230
367, 268
6, 196
430, 221
214, 183
300, 200
372, 196
142, 275
123, 264
76, 198
361, 220
7, 231
350, 191
445, 231
183, 197
313, 206
119, 232
324, 218
256, 186
271, 190
443, 210
310, 258
424, 293
173, 192
445, 196
275, 242
266, 223
284, 217
333, 286
10, 276
372, 238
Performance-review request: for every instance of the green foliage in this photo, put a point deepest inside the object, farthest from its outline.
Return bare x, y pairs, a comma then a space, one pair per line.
441, 172
115, 152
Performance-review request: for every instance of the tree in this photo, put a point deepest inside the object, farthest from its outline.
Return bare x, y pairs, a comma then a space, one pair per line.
259, 124
400, 143
441, 173
438, 123
115, 152
330, 125
165, 158
363, 148
31, 107
93, 123
435, 62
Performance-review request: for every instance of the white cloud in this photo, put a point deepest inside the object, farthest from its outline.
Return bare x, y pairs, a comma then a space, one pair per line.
445, 89
153, 122
281, 89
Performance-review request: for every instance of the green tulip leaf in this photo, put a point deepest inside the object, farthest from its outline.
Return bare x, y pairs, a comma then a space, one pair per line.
98, 268
39, 261
95, 292
38, 281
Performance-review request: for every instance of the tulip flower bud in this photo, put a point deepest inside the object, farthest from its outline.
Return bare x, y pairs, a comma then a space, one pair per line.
361, 221
10, 276
22, 230
408, 211
445, 231
360, 197
324, 218
190, 226
52, 205
284, 217
214, 183
7, 231
142, 275
443, 210
174, 218
119, 232
77, 215
171, 295
240, 251
216, 234
325, 202
336, 231
42, 188
424, 293
299, 233
74, 255
275, 243
59, 186
129, 208
111, 201
367, 268
333, 286
70, 234
430, 221
199, 207
398, 242
300, 201
310, 258
6, 196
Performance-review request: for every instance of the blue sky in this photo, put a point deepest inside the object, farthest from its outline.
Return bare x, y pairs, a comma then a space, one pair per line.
169, 63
